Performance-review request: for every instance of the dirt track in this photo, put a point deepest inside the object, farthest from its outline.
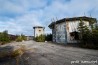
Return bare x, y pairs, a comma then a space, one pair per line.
51, 54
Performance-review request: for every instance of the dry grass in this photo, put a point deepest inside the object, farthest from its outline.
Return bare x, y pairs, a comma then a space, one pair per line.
17, 53
11, 51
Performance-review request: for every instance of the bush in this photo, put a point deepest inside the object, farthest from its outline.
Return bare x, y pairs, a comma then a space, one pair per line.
40, 38
4, 37
17, 53
23, 37
11, 51
19, 39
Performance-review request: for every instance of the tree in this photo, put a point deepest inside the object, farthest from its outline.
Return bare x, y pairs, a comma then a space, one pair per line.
88, 36
82, 28
4, 37
48, 37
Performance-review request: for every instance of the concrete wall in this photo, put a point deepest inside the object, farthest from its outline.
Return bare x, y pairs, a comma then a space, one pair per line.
53, 35
72, 26
59, 33
38, 31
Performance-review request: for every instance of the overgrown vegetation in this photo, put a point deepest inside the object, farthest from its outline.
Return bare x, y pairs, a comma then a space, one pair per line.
88, 35
18, 52
23, 37
12, 51
43, 38
4, 37
40, 38
20, 38
48, 37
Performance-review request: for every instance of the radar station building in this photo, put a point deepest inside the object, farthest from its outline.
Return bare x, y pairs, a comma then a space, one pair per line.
38, 30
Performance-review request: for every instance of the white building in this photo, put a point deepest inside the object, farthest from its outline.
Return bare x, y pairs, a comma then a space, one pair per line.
38, 30
65, 30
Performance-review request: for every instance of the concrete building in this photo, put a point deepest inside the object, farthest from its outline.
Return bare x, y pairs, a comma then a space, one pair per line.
38, 30
65, 30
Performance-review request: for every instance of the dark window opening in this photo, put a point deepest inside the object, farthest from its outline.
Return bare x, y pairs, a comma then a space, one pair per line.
75, 35
39, 30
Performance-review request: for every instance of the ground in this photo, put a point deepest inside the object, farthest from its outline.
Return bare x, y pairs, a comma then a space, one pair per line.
46, 53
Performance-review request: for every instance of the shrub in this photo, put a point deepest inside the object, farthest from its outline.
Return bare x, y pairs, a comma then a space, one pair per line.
19, 39
4, 37
17, 53
11, 51
40, 38
23, 37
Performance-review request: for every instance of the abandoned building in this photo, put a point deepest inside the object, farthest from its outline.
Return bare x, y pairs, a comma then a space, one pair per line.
38, 30
65, 30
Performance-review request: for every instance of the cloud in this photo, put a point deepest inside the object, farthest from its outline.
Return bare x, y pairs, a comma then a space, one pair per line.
23, 24
8, 9
13, 8
19, 16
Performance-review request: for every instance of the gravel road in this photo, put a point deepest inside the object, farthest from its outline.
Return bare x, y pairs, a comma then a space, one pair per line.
45, 53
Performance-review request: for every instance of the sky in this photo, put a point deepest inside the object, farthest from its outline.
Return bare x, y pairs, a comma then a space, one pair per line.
20, 16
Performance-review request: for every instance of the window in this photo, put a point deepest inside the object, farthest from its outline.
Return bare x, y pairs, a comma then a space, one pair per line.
39, 30
74, 35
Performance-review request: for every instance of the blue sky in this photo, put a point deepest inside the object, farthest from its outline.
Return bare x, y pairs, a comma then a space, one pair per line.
19, 16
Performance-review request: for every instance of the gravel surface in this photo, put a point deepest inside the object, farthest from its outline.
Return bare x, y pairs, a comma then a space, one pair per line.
45, 53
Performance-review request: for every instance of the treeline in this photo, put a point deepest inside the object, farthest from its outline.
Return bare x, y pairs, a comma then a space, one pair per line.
43, 38
6, 38
88, 35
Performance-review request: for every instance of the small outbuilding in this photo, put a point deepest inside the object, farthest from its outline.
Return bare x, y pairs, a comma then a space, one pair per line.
38, 30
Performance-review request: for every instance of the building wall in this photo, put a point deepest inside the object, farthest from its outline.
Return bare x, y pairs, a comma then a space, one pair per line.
38, 31
59, 33
53, 35
71, 26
